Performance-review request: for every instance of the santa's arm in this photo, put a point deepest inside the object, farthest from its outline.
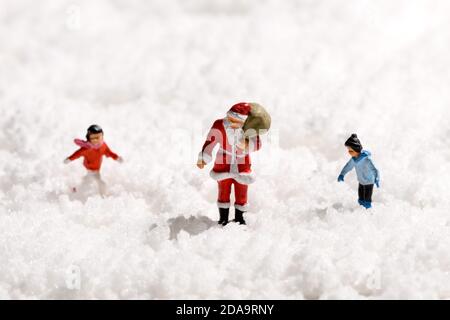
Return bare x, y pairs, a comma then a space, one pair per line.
254, 144
212, 139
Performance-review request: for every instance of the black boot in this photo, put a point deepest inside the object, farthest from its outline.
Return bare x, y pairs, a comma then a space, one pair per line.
239, 216
224, 213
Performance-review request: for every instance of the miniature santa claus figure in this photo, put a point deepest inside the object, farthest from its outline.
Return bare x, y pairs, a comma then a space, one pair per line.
232, 165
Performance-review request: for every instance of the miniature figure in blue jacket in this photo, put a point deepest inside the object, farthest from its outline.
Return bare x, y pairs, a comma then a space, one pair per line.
366, 172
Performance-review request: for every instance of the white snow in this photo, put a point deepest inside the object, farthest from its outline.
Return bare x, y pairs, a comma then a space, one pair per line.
156, 74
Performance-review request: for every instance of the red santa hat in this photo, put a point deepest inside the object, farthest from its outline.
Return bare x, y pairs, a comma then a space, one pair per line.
240, 111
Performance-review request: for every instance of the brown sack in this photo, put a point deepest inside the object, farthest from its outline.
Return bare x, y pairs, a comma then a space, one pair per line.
258, 122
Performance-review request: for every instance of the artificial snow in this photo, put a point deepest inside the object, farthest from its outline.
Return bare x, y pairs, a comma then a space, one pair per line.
155, 75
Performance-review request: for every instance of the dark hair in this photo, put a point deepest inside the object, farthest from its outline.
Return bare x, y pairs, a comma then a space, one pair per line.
354, 143
93, 129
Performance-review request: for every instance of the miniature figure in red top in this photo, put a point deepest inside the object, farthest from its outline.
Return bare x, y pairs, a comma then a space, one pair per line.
93, 150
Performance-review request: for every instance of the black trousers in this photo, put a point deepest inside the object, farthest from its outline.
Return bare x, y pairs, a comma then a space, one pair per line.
365, 192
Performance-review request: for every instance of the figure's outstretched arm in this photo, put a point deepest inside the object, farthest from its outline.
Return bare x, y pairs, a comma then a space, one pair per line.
347, 168
111, 154
77, 154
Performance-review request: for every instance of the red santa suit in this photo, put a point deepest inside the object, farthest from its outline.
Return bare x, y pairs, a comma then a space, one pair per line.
232, 164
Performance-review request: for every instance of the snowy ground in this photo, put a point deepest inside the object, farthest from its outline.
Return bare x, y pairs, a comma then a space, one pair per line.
156, 74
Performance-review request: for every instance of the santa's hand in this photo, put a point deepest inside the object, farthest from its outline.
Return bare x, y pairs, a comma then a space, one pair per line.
341, 178
201, 164
66, 161
377, 183
120, 160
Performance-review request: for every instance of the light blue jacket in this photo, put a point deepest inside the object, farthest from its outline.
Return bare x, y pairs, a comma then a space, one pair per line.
365, 169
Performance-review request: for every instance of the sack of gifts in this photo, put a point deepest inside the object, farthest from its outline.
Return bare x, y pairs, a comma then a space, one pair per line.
258, 122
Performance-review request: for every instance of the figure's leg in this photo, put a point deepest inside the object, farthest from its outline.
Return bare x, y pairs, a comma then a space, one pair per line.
223, 201
101, 184
86, 181
360, 194
240, 205
95, 177
368, 191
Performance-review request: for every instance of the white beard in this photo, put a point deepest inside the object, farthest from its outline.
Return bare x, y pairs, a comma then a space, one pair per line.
234, 138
